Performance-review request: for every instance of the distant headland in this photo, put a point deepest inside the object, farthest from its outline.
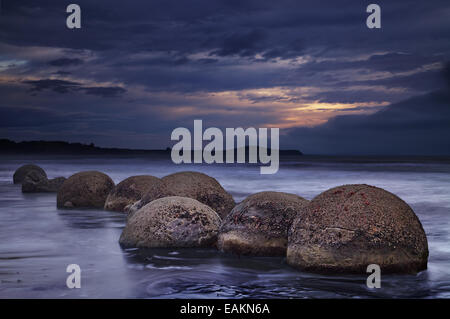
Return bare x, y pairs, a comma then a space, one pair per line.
65, 148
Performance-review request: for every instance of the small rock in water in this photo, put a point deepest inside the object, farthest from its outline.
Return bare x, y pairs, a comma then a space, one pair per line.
349, 227
34, 184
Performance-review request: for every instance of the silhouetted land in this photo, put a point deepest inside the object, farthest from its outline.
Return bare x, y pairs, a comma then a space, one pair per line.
65, 148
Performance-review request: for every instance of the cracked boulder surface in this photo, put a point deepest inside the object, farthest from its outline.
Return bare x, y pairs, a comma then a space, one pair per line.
259, 225
172, 222
21, 173
84, 190
347, 228
205, 189
132, 189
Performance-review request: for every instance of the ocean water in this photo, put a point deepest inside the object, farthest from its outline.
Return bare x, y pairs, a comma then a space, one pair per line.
38, 241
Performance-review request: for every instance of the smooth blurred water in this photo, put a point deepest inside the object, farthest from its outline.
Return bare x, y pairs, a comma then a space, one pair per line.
37, 241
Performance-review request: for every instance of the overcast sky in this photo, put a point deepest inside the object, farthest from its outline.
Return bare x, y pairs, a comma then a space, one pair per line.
138, 69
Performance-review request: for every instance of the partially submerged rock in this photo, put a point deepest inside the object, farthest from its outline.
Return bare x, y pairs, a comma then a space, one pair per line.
35, 184
132, 190
259, 225
172, 222
85, 190
201, 187
23, 171
349, 227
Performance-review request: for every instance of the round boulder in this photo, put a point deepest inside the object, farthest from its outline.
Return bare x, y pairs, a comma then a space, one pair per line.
84, 190
133, 189
172, 222
259, 225
23, 171
349, 227
201, 187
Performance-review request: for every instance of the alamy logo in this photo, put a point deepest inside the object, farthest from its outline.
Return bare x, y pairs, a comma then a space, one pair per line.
374, 279
73, 21
213, 152
74, 279
374, 19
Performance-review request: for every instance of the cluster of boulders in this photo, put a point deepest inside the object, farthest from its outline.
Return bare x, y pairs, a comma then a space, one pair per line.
198, 186
343, 229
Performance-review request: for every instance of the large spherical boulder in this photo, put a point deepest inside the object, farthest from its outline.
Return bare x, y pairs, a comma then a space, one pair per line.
259, 225
133, 189
85, 190
33, 183
201, 187
172, 222
347, 228
23, 171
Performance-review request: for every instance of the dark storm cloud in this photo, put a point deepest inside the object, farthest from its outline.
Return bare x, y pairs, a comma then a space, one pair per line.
250, 43
104, 91
446, 74
282, 29
62, 73
66, 62
420, 81
389, 62
356, 109
59, 86
207, 61
242, 44
62, 86
352, 96
14, 117
242, 28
